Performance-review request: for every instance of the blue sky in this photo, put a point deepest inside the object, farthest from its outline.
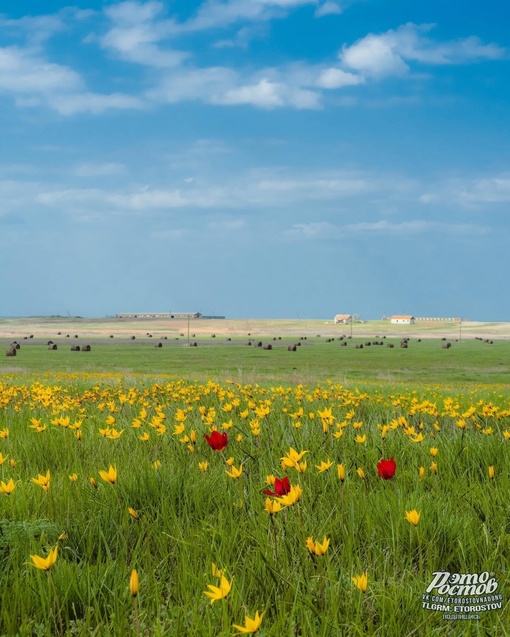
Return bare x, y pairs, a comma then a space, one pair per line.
255, 158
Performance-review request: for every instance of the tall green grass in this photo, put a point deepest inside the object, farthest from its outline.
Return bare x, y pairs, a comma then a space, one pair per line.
189, 518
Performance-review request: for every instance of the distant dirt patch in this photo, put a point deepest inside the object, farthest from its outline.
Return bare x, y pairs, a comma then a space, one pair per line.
65, 330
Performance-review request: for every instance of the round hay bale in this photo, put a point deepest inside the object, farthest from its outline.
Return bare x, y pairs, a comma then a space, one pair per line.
292, 348
159, 345
52, 346
268, 346
75, 348
85, 348
10, 351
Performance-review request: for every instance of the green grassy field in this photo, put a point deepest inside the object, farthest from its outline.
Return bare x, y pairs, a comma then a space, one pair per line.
323, 416
470, 361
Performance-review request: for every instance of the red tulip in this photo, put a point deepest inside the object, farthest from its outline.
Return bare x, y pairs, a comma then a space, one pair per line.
281, 487
217, 441
386, 468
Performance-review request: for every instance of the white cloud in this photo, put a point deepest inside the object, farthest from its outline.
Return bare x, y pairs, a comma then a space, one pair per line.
328, 8
217, 14
326, 230
390, 52
26, 72
268, 94
485, 190
94, 103
333, 78
137, 31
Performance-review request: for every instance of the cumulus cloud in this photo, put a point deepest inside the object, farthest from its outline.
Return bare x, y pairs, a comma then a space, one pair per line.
390, 53
333, 78
268, 94
27, 72
137, 31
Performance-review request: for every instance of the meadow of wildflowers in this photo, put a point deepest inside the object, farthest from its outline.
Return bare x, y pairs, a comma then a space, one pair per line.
158, 506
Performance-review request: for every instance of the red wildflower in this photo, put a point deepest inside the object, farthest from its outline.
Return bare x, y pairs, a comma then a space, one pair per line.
217, 441
281, 487
386, 468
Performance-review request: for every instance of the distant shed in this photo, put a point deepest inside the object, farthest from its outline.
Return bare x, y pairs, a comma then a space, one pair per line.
402, 319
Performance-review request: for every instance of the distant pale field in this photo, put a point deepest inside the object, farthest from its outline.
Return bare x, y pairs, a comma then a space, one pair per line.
42, 327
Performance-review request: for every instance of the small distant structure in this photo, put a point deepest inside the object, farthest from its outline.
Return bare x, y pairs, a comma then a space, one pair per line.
343, 318
402, 319
159, 315
438, 319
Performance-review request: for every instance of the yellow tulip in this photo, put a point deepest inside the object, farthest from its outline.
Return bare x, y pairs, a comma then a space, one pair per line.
218, 592
341, 472
43, 481
361, 582
45, 563
413, 517
250, 625
133, 583
7, 488
293, 496
316, 547
110, 475
235, 472
273, 506
491, 472
133, 513
324, 466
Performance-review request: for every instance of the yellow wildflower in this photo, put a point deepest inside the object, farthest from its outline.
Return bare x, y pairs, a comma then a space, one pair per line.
324, 466
361, 582
45, 563
235, 472
43, 481
316, 547
218, 592
133, 583
110, 475
273, 506
413, 517
250, 625
7, 488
